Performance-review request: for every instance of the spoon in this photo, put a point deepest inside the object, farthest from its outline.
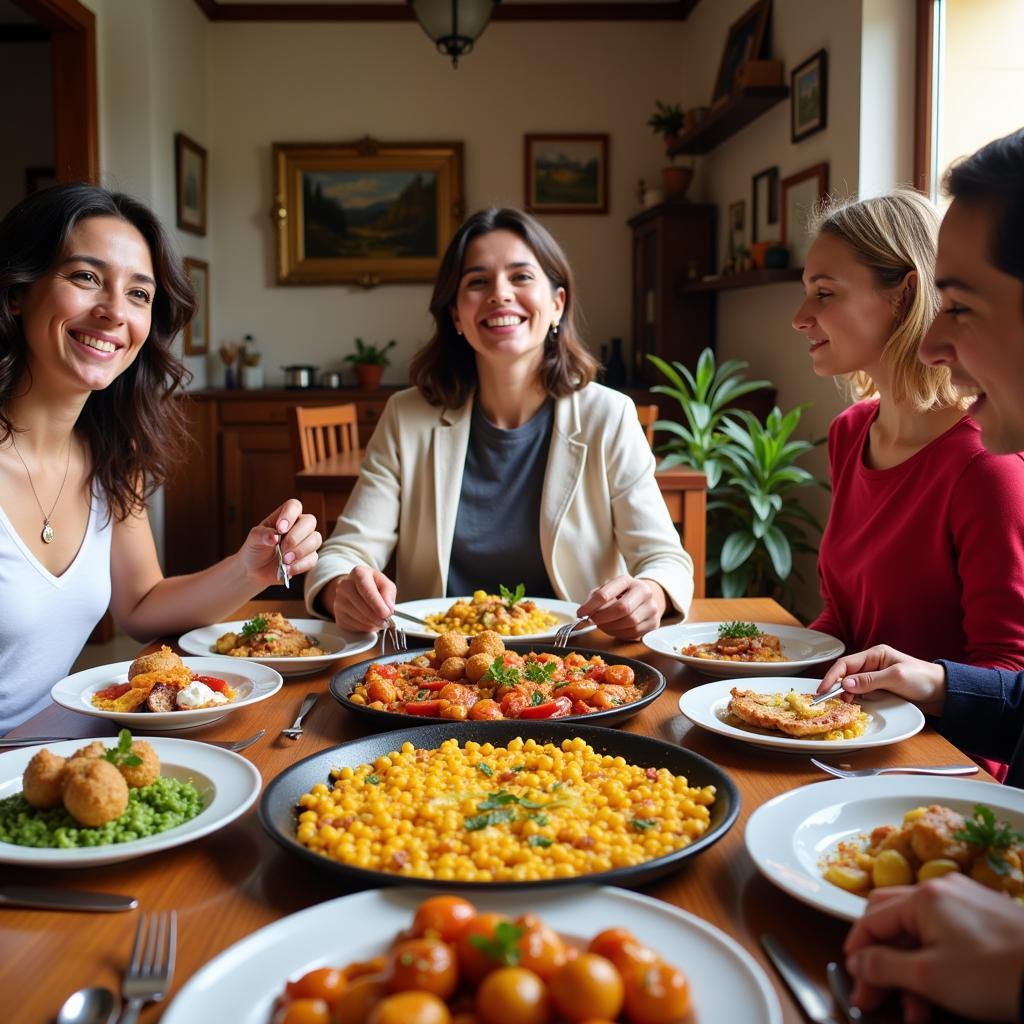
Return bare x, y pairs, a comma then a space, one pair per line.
90, 1006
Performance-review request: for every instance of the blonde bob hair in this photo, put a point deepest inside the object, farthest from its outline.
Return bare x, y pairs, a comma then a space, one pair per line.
893, 235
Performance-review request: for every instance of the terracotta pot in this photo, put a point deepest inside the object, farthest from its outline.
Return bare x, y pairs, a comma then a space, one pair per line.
368, 375
676, 180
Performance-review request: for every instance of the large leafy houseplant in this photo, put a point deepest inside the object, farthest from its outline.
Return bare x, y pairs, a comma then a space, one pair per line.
755, 518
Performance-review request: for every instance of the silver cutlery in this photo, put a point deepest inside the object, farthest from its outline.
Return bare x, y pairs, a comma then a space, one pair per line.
237, 745
828, 694
152, 963
282, 569
902, 769
32, 741
394, 635
43, 897
97, 1005
563, 633
841, 985
410, 618
294, 731
805, 992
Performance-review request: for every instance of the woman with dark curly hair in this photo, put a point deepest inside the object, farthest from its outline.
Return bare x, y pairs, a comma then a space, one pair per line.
506, 463
91, 298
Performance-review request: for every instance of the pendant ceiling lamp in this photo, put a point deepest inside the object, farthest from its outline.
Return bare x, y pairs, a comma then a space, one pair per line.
454, 25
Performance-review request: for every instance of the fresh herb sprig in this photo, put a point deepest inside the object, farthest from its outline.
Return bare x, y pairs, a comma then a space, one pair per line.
501, 675
256, 625
985, 832
540, 672
512, 598
122, 753
737, 630
504, 947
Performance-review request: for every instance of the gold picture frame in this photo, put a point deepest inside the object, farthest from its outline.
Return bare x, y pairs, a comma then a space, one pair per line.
196, 334
365, 212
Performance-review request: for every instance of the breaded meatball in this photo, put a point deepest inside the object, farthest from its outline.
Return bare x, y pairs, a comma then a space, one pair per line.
139, 775
487, 642
94, 792
477, 666
94, 749
44, 779
159, 661
452, 668
451, 645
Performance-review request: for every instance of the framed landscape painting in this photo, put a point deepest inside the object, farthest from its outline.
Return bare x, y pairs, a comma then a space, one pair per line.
365, 212
566, 173
197, 330
190, 184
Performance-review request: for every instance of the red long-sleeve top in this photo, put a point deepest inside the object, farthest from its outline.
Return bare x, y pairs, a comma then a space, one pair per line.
927, 556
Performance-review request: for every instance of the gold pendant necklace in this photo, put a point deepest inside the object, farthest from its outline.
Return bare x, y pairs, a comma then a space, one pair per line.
46, 533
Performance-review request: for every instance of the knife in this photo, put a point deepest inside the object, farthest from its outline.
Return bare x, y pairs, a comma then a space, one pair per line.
841, 986
31, 741
804, 991
43, 898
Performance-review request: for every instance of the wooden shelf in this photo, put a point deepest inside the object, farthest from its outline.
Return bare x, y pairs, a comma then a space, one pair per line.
739, 110
745, 279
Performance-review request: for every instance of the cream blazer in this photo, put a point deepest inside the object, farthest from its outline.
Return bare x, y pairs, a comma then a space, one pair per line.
602, 513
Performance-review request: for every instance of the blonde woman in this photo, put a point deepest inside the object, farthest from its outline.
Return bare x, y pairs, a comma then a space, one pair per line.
924, 547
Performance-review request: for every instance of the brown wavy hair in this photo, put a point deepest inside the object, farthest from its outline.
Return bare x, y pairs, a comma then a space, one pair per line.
133, 429
445, 368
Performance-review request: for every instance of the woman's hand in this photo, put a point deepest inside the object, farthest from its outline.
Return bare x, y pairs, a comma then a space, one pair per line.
362, 600
883, 668
949, 941
299, 540
625, 607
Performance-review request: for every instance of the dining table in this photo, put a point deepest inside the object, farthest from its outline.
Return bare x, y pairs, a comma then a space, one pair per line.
232, 882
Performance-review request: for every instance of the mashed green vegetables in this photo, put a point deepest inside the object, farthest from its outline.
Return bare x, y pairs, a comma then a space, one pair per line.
155, 808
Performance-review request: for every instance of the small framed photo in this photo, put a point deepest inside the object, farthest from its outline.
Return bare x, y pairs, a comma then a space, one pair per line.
566, 173
800, 193
190, 179
764, 206
197, 331
737, 228
744, 41
808, 97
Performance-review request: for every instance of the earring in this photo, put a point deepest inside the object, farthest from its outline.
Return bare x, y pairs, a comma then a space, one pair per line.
554, 328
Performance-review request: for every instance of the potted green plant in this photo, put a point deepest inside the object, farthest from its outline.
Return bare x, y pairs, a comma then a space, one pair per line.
667, 121
755, 517
369, 362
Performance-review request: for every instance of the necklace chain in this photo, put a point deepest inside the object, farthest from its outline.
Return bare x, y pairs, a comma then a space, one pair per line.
47, 533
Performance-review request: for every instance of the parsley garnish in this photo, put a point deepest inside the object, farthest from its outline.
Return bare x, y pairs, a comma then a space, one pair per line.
257, 624
421, 695
373, 780
537, 699
541, 819
122, 753
479, 821
486, 769
500, 675
643, 824
512, 599
540, 673
736, 630
983, 830
539, 841
502, 806
504, 947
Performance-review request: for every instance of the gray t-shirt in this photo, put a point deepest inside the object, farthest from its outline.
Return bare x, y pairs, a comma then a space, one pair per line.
497, 528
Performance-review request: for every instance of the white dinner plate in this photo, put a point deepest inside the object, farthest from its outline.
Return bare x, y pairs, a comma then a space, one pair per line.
892, 718
790, 837
338, 644
563, 611
227, 783
240, 984
802, 647
252, 683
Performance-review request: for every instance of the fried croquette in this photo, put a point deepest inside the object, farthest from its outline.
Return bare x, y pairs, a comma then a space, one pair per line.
487, 642
94, 749
768, 711
44, 779
478, 666
451, 645
159, 661
95, 792
139, 775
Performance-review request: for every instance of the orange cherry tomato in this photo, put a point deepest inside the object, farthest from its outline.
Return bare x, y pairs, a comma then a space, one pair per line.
588, 986
512, 995
303, 1011
623, 948
410, 1008
474, 963
485, 709
442, 916
213, 682
324, 983
358, 968
358, 998
541, 948
657, 994
619, 675
513, 703
423, 965
114, 691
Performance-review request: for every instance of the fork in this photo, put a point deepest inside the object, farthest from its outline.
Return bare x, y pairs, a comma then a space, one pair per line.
563, 633
923, 769
152, 963
411, 618
282, 569
237, 745
294, 731
395, 635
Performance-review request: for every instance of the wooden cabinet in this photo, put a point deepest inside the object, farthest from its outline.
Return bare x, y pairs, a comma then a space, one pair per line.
673, 244
239, 467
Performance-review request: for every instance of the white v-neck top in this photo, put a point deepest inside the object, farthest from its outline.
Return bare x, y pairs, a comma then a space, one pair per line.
46, 619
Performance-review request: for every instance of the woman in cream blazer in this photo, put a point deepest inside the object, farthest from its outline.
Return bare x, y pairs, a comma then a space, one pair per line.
506, 344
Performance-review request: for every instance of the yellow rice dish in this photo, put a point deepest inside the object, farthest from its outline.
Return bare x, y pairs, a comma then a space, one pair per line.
480, 813
507, 616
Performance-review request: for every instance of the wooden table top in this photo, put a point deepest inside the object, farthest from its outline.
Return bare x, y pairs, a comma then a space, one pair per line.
228, 884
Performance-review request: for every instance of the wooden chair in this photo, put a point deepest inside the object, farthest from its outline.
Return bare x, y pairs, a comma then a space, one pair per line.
648, 414
320, 431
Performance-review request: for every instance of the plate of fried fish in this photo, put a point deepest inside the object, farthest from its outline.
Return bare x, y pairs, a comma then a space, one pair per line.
293, 647
776, 713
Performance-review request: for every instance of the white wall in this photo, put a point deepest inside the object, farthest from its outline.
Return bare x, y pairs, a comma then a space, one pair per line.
25, 72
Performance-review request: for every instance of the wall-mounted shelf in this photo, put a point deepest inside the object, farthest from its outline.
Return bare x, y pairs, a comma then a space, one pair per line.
744, 279
739, 110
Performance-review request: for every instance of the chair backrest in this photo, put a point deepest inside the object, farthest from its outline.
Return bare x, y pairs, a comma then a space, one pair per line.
320, 431
648, 414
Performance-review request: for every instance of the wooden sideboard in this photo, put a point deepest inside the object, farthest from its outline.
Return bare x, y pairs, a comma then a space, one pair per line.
239, 466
